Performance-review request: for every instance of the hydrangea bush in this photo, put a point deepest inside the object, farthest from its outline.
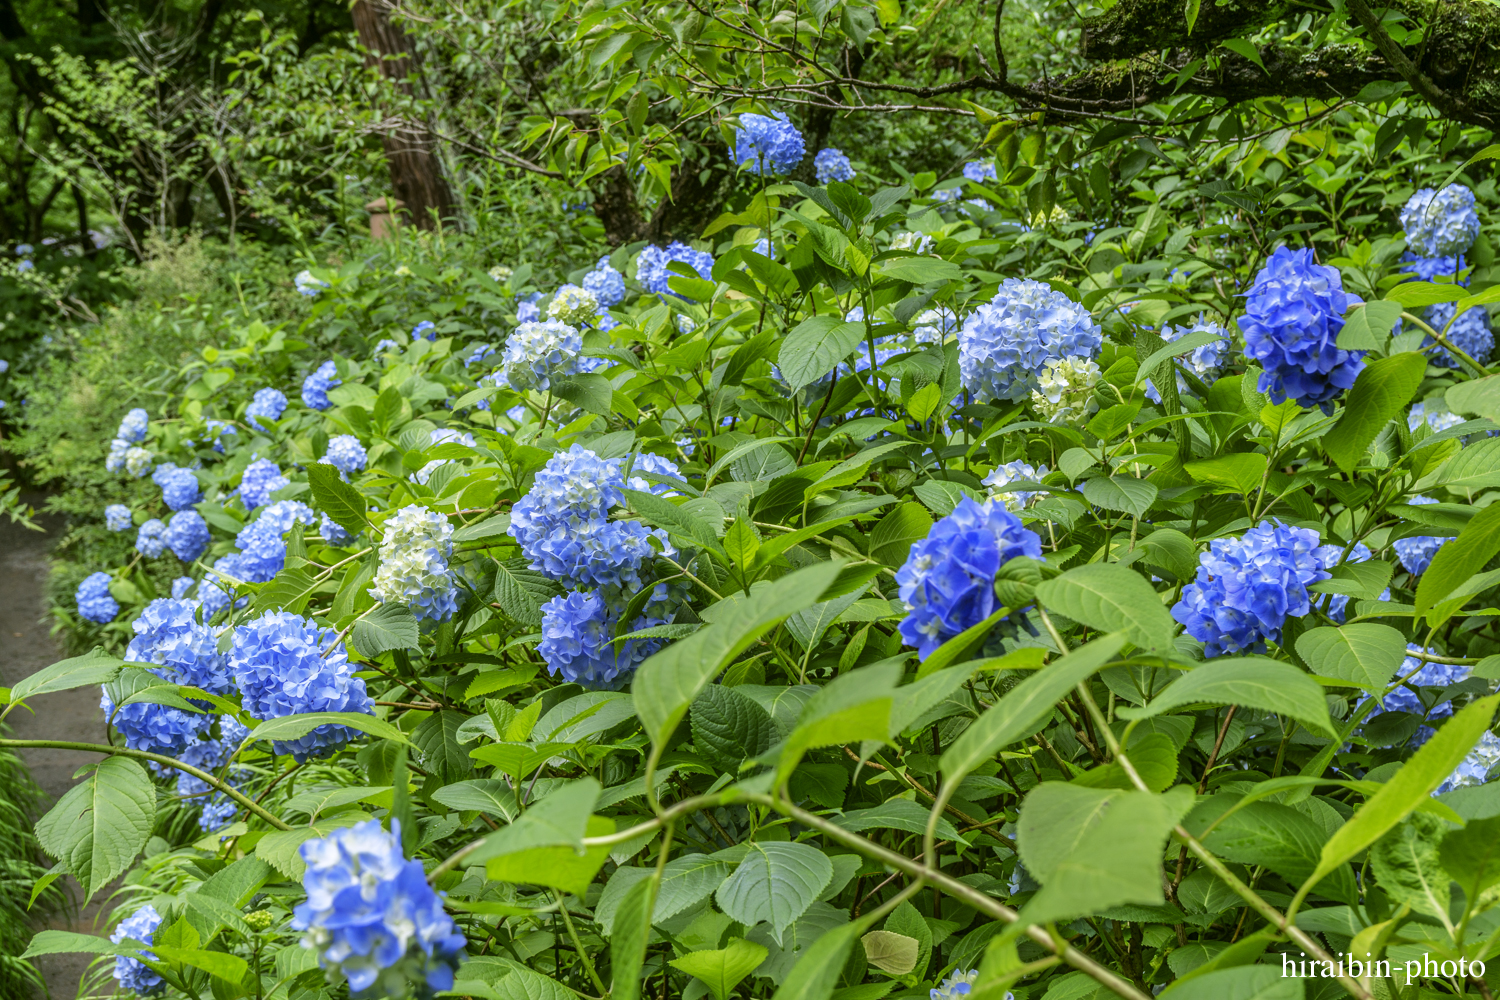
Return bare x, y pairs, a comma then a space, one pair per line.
880, 595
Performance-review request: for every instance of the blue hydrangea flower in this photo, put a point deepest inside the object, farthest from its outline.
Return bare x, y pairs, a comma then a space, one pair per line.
767, 145
414, 570
117, 517
220, 429
1440, 223
651, 265
653, 465
1005, 344
307, 285
218, 583
425, 330
268, 404
934, 326
94, 600
261, 478
1475, 767
371, 915
480, 353
832, 165
1333, 555
957, 985
1014, 472
1415, 553
179, 489
261, 542
536, 353
130, 972
386, 344
115, 460
168, 634
186, 535
315, 387
1247, 587
284, 665
153, 728
604, 322
1469, 333
1438, 420
980, 171
1202, 361
948, 580
527, 310
576, 645
1433, 268
333, 533
133, 426
1419, 673
148, 538
346, 454
606, 284
1293, 316
181, 586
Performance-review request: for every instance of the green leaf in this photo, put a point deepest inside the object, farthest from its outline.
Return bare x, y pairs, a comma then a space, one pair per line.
854, 707
1406, 864
1244, 982
1366, 328
521, 591
280, 848
102, 823
918, 270
941, 496
817, 971
491, 527
814, 347
907, 922
1122, 493
1242, 47
1271, 834
1024, 707
762, 345
895, 814
776, 882
1111, 598
545, 845
230, 968
678, 521
1409, 786
627, 948
336, 498
1460, 559
1380, 393
290, 727
1154, 757
1418, 294
1471, 855
436, 739
1365, 654
1251, 681
670, 680
72, 943
1478, 398
93, 667
890, 952
722, 970
1241, 472
893, 535
591, 391
1175, 349
386, 627
729, 728
487, 795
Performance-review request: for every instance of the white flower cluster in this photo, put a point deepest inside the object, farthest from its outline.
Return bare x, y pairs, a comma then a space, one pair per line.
573, 305
915, 242
1067, 392
414, 567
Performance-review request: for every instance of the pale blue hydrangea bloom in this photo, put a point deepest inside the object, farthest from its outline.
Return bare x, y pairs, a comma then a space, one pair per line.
1469, 333
1014, 472
214, 590
262, 543
386, 344
285, 665
130, 972
414, 570
1005, 344
1247, 587
425, 330
1475, 767
603, 321
1438, 420
832, 165
268, 404
527, 310
606, 283
576, 633
957, 985
370, 914
651, 265
1415, 553
919, 243
181, 586
1420, 673
133, 426
1440, 223
220, 429
179, 487
346, 454
1333, 555
117, 517
536, 353
1202, 361
767, 145
187, 535
115, 460
333, 533
308, 285
315, 387
148, 538
934, 326
653, 465
94, 600
980, 171
260, 479
480, 353
443, 435
1433, 268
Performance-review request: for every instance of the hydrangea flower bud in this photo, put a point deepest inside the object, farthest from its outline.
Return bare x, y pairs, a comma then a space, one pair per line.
137, 462
94, 600
1438, 421
443, 435
500, 273
425, 330
915, 242
414, 566
308, 285
1203, 361
980, 171
1005, 344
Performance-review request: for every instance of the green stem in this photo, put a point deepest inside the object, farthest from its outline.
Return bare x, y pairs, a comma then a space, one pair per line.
588, 963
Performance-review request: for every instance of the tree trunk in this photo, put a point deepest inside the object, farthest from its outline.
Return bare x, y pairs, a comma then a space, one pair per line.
416, 174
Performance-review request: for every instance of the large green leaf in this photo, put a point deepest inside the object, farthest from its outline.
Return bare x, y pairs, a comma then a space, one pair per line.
93, 667
544, 846
443, 754
290, 727
1251, 681
1460, 559
1122, 493
1111, 598
1407, 866
102, 823
1367, 327
588, 391
1366, 654
1244, 982
1380, 393
1277, 836
775, 883
336, 498
1479, 397
721, 970
668, 682
817, 971
814, 347
627, 948
386, 627
1242, 472
1024, 707
893, 535
729, 728
488, 795
854, 707
1471, 855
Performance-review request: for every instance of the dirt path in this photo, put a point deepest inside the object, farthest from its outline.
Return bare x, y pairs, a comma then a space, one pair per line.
27, 647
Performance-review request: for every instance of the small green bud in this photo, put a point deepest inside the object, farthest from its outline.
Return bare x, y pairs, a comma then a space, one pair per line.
259, 920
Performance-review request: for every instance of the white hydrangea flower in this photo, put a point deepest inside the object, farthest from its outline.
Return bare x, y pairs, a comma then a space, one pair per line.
137, 461
573, 305
1057, 217
500, 272
915, 242
1017, 471
414, 569
1067, 389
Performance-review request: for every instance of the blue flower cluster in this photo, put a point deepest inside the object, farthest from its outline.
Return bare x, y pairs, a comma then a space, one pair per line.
1005, 344
133, 426
148, 538
537, 353
333, 533
1202, 361
260, 479
425, 330
346, 454
267, 404
1014, 472
651, 265
315, 387
1423, 673
1440, 223
980, 171
94, 600
1474, 769
948, 580
262, 543
168, 634
284, 665
1333, 555
209, 755
371, 915
186, 535
1292, 319
1469, 333
576, 645
1416, 553
117, 517
1438, 420
414, 570
1432, 268
179, 487
308, 285
124, 455
832, 165
767, 145
527, 310
1247, 587
957, 985
606, 283
131, 973
652, 465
